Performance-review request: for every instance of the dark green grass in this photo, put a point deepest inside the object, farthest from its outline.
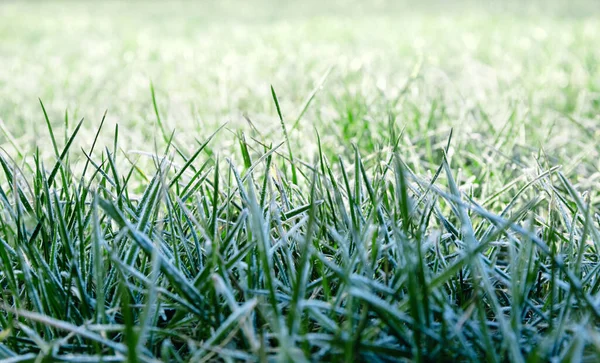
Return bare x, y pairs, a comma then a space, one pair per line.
353, 259
420, 183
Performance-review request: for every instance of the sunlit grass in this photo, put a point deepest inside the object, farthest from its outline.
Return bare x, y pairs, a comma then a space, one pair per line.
301, 183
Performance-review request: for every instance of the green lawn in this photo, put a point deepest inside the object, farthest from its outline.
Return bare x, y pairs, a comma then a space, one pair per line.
314, 181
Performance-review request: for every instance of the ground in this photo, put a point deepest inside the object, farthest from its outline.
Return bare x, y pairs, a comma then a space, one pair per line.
299, 181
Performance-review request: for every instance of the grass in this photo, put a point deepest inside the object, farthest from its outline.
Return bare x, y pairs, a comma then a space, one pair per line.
327, 183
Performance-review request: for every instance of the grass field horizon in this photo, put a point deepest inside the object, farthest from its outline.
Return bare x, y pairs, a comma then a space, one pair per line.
334, 181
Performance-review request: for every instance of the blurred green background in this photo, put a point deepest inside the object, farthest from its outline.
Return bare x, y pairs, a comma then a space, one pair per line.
509, 78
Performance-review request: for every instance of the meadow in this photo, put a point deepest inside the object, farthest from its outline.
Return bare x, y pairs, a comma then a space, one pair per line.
299, 181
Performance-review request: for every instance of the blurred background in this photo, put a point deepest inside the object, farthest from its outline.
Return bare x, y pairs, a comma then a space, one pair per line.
508, 77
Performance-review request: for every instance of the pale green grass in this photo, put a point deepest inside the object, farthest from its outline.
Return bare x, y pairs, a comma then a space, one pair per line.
326, 181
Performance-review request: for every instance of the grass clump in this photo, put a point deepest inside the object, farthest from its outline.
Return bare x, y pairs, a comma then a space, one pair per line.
419, 184
353, 259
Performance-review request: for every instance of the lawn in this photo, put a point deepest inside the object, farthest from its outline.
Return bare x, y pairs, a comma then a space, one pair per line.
299, 181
